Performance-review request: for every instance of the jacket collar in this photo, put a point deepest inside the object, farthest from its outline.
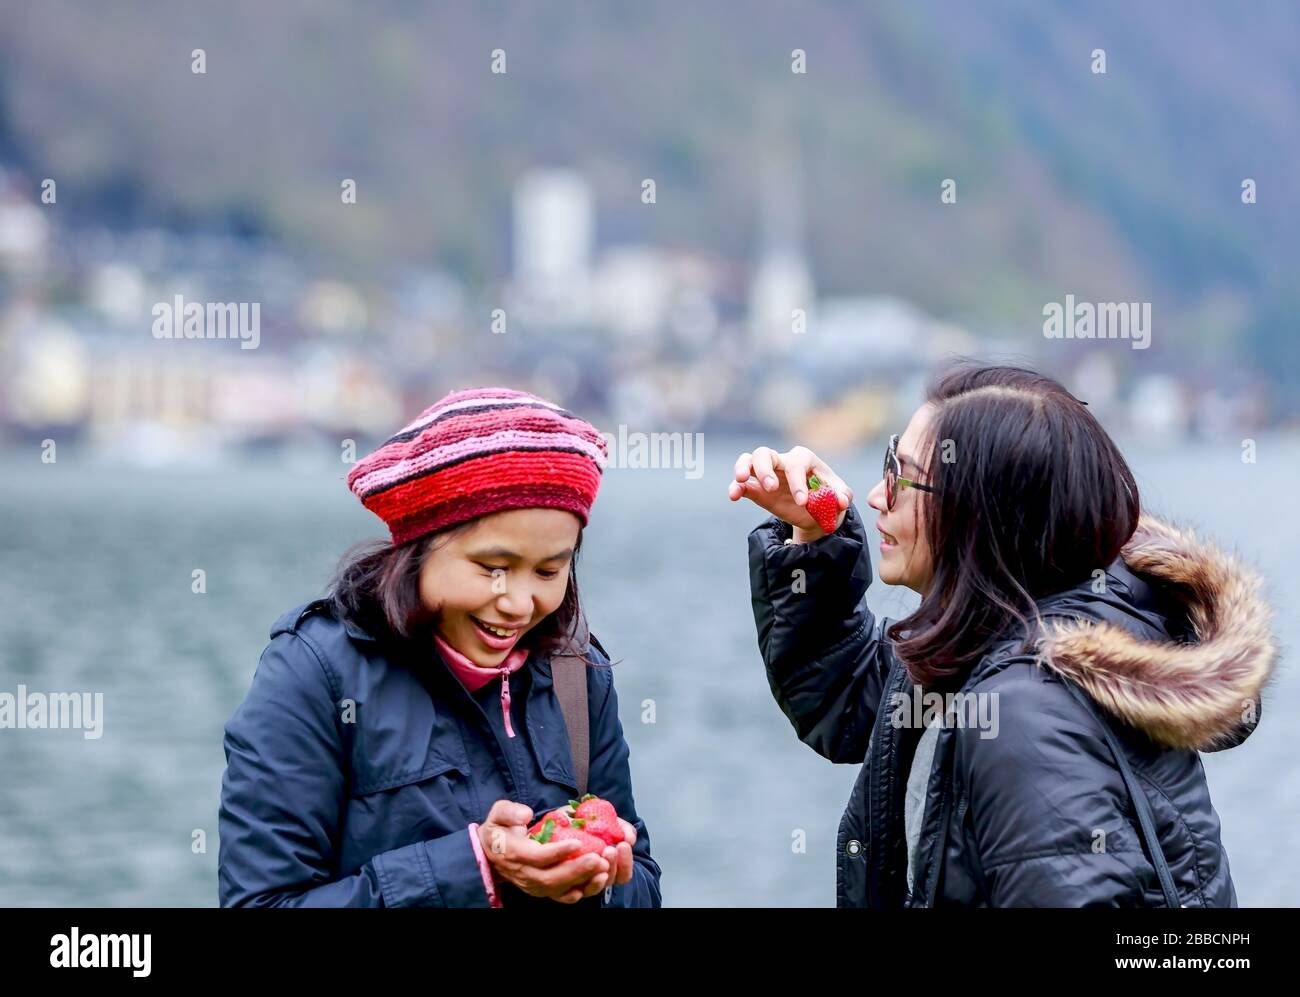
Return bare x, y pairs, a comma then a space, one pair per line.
472, 676
355, 632
538, 664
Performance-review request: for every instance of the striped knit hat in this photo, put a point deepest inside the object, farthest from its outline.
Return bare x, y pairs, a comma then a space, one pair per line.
477, 452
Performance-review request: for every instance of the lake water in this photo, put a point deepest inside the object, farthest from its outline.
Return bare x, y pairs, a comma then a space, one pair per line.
96, 591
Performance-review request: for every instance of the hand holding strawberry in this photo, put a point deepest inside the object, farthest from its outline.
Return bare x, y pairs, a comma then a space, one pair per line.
598, 829
557, 869
780, 482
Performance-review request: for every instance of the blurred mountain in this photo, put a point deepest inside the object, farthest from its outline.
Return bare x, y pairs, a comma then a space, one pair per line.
1114, 187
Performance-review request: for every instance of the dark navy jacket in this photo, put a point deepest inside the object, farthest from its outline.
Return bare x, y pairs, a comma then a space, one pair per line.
353, 771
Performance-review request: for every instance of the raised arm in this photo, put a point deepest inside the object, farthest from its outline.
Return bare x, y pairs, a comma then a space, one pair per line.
826, 657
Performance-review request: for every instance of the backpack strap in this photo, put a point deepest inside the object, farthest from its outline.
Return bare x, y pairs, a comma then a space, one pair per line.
569, 673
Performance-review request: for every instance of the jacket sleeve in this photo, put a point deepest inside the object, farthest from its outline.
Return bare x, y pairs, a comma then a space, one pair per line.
827, 657
283, 794
1048, 804
610, 777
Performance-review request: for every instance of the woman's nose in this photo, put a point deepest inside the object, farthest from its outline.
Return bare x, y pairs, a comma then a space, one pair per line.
876, 498
515, 602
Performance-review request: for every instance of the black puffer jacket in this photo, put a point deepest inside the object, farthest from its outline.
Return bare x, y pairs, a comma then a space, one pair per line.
1175, 649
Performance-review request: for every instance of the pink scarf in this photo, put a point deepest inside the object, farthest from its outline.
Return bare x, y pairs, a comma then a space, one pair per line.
474, 677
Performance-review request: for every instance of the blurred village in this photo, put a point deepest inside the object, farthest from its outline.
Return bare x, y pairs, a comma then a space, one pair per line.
653, 338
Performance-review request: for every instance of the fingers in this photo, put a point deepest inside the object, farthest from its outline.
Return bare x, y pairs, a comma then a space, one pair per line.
765, 466
629, 832
842, 490
624, 865
598, 882
766, 463
796, 463
545, 856
565, 882
750, 489
799, 463
497, 839
575, 875
607, 877
508, 813
744, 466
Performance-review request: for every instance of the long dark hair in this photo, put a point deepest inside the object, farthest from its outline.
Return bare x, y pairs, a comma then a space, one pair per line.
377, 586
1034, 496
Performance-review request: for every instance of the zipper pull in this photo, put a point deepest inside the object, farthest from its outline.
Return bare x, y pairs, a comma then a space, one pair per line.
505, 701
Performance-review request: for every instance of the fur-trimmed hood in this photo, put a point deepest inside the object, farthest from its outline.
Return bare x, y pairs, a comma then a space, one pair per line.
1182, 651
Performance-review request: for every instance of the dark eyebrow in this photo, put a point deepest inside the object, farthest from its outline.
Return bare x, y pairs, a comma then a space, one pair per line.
903, 458
510, 555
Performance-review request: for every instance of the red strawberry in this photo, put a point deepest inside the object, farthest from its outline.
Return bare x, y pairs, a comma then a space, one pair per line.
590, 843
558, 818
598, 817
823, 506
607, 830
591, 806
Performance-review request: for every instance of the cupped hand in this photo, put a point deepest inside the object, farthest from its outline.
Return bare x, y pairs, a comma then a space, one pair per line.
539, 870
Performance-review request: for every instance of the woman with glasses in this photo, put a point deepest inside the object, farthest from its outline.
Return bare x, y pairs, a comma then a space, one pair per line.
1031, 731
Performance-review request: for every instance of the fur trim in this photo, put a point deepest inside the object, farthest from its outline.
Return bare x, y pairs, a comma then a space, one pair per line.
1196, 695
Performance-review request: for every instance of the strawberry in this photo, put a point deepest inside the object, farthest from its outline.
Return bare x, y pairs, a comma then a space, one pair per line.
598, 817
558, 818
590, 843
591, 806
591, 821
608, 830
823, 505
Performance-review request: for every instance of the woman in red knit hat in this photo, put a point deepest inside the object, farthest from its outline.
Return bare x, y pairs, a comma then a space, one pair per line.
406, 738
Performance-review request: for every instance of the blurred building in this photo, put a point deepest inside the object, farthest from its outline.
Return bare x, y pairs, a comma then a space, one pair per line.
24, 230
782, 302
553, 231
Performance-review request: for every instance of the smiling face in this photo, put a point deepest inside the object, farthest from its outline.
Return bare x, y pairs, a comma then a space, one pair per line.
904, 551
493, 582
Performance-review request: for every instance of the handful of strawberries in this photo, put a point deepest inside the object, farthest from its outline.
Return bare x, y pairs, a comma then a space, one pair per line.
590, 821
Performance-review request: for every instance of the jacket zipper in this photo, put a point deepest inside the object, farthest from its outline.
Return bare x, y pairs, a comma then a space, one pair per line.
508, 755
505, 701
898, 674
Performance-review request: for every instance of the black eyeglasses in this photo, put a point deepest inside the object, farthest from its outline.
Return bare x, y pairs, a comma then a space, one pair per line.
894, 480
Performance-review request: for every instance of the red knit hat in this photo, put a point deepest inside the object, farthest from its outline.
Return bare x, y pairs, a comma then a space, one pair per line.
477, 452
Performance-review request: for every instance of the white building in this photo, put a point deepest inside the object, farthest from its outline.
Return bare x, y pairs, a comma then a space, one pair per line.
24, 234
554, 227
781, 302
